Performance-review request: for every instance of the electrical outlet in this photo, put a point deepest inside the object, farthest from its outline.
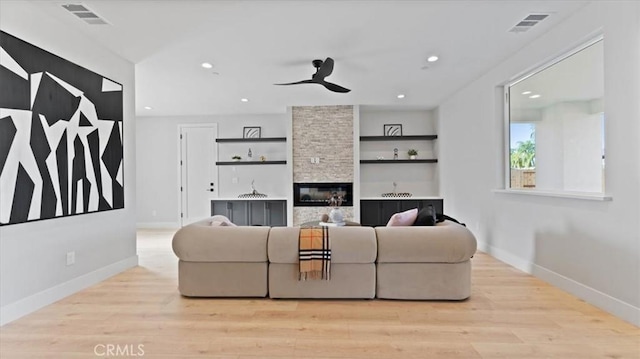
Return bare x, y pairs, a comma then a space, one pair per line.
71, 258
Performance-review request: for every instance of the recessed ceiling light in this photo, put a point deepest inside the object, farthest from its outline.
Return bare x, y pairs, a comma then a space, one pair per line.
526, 92
401, 95
244, 99
534, 96
147, 108
432, 58
207, 65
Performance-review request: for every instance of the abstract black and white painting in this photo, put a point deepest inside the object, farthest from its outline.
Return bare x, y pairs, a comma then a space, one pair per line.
61, 151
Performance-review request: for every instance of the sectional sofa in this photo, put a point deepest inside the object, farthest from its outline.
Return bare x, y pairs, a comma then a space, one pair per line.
414, 263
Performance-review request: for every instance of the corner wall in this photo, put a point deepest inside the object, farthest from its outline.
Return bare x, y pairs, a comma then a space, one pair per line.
588, 248
33, 271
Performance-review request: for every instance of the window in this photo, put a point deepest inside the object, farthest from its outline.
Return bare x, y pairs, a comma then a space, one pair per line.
555, 117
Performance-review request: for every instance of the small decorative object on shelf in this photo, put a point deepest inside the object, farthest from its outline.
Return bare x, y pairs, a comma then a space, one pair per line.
249, 155
395, 153
336, 216
236, 158
263, 158
412, 154
380, 158
254, 193
395, 192
393, 130
251, 132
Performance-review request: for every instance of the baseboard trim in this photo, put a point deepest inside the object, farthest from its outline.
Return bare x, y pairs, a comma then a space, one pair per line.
620, 309
506, 257
13, 311
158, 225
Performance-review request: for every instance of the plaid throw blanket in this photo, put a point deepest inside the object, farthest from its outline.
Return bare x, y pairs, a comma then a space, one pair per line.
314, 253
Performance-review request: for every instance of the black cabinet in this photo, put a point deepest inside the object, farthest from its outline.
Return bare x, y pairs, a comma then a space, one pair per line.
252, 212
376, 212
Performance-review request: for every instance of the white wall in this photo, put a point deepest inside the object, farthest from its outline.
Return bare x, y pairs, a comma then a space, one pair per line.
158, 156
589, 248
33, 271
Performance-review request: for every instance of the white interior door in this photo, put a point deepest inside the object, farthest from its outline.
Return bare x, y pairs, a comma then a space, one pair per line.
198, 171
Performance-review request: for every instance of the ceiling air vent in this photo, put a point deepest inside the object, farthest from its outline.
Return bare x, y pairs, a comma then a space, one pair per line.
528, 22
85, 14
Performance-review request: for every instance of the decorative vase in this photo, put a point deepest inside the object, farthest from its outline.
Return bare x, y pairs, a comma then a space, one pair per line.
336, 215
412, 157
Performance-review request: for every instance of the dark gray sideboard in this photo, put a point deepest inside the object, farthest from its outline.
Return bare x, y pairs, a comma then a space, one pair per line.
252, 212
376, 212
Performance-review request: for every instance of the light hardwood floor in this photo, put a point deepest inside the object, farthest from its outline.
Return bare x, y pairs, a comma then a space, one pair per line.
510, 315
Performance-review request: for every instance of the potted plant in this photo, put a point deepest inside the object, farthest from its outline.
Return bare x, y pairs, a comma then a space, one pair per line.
236, 158
412, 154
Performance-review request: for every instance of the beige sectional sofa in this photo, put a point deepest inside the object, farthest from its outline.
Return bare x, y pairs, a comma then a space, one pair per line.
386, 262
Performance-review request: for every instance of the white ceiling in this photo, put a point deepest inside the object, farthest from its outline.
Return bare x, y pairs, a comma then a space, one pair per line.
379, 48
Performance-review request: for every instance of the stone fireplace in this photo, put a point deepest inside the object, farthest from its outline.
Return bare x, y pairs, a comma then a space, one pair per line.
322, 139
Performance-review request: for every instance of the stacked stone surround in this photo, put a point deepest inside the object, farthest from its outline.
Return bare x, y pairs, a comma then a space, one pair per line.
325, 132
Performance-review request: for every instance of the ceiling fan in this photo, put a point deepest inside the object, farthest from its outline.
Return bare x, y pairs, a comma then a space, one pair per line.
323, 69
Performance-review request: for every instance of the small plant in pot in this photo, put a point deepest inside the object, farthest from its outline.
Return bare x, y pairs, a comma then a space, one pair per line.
412, 154
236, 158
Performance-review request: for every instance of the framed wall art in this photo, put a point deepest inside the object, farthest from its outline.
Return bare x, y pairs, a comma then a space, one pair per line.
393, 130
251, 132
61, 136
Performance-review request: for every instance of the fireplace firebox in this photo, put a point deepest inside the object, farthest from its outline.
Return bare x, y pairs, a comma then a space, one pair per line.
319, 194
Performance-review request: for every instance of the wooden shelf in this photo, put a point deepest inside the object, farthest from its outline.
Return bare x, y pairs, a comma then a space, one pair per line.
399, 138
261, 139
244, 163
400, 161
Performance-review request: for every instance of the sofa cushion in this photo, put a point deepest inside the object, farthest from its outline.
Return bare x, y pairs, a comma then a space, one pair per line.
348, 244
405, 218
446, 242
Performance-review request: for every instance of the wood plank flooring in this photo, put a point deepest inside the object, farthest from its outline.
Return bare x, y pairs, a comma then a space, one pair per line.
510, 315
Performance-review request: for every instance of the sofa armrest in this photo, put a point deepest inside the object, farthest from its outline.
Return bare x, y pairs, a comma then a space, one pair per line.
200, 242
448, 242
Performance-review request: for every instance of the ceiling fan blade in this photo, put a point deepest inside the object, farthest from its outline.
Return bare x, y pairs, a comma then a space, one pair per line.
325, 70
333, 87
299, 82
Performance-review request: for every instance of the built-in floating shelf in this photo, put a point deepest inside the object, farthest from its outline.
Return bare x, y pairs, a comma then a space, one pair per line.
245, 163
400, 161
261, 139
399, 138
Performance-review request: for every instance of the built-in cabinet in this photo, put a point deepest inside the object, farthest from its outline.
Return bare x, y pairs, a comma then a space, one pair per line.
385, 164
376, 212
252, 212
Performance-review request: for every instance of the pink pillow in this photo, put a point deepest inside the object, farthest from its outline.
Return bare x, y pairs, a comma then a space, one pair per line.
405, 218
219, 220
